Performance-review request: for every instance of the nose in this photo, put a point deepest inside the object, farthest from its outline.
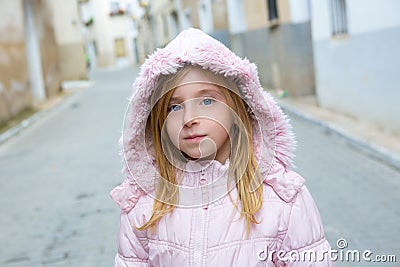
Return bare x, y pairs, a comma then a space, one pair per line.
190, 116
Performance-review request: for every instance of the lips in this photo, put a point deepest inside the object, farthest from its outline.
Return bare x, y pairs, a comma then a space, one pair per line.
194, 138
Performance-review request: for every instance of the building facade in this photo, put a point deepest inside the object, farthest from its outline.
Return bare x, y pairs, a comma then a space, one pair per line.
69, 39
34, 59
356, 55
15, 95
276, 35
111, 31
343, 51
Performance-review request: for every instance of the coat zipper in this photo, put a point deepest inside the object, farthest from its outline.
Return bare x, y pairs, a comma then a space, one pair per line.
200, 229
204, 191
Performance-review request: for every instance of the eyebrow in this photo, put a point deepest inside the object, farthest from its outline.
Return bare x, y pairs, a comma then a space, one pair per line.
198, 94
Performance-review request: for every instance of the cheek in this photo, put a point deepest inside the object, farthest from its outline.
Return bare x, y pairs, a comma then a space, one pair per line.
221, 125
173, 128
220, 130
224, 117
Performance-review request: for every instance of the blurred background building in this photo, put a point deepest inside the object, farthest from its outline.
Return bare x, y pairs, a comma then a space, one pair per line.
343, 52
356, 56
41, 45
110, 31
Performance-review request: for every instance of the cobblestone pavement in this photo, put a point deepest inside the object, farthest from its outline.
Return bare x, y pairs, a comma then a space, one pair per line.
56, 176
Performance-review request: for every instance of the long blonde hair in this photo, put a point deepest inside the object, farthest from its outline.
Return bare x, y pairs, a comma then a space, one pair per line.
243, 167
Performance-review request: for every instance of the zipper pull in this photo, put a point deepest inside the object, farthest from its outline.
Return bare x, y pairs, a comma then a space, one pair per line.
203, 181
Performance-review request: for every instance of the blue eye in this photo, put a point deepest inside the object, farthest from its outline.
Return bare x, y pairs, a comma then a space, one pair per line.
174, 107
208, 101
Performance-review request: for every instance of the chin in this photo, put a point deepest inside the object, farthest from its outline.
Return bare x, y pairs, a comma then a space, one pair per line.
199, 156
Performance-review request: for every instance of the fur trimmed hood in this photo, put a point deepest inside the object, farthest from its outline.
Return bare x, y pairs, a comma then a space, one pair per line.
273, 139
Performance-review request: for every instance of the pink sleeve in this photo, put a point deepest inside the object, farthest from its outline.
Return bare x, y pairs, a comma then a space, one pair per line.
127, 194
132, 245
304, 243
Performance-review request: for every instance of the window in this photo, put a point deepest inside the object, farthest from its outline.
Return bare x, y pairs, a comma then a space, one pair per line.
272, 11
115, 9
338, 17
119, 47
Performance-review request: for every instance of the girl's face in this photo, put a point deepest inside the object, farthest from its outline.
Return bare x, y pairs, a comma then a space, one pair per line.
199, 119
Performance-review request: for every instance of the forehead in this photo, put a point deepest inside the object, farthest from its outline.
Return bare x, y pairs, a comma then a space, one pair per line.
200, 75
198, 82
197, 89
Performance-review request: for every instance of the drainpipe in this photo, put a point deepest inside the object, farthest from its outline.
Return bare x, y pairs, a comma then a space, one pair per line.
33, 54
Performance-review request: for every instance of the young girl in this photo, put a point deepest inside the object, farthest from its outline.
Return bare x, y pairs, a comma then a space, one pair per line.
208, 155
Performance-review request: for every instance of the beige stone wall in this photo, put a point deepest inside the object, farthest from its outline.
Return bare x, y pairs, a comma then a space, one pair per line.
256, 14
220, 15
69, 40
72, 64
15, 95
159, 11
192, 5
48, 47
284, 11
105, 59
144, 40
58, 62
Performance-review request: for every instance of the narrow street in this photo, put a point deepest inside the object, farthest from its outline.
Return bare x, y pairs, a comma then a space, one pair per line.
56, 176
357, 195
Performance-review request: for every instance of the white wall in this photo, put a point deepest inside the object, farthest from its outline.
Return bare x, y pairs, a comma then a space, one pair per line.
371, 15
205, 16
362, 16
67, 28
320, 16
236, 16
357, 75
299, 11
183, 20
106, 29
102, 30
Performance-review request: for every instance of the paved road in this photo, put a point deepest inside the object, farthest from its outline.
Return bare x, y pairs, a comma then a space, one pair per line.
358, 196
56, 176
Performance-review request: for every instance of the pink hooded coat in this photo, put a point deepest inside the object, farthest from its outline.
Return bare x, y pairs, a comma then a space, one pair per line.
213, 234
